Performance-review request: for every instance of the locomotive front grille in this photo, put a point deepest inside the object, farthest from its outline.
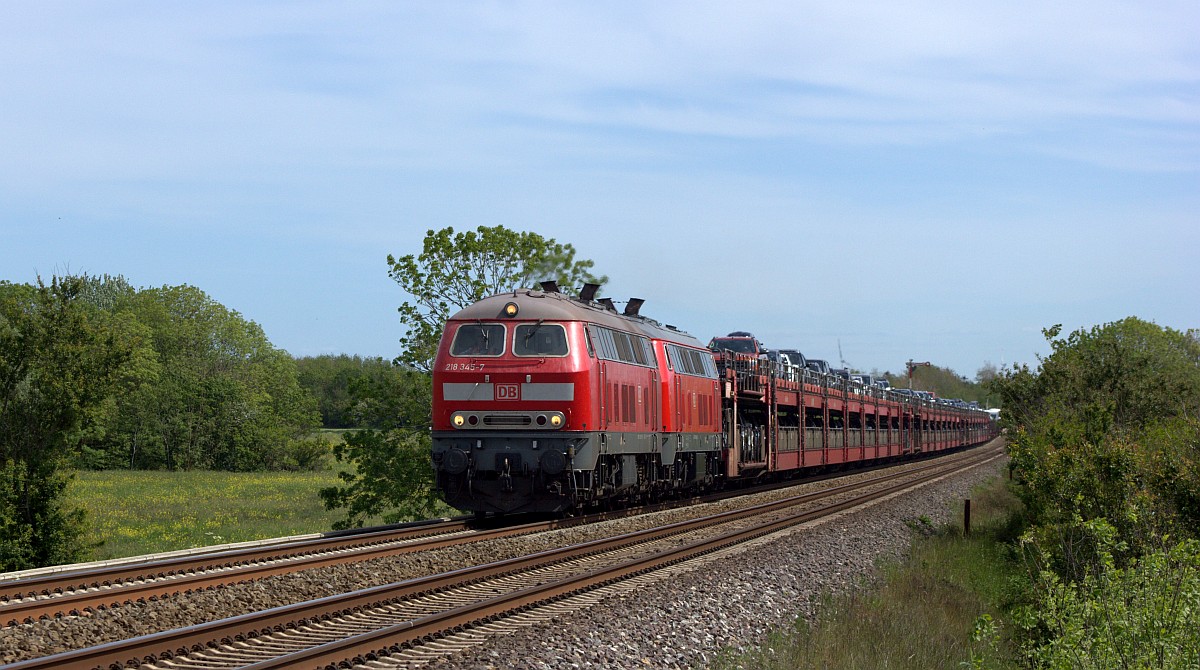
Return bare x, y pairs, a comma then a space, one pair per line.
499, 421
507, 420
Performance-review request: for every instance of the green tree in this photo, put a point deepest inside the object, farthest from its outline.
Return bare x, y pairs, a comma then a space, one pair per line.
1107, 427
1133, 370
204, 389
58, 364
232, 400
330, 378
392, 477
389, 482
327, 378
126, 420
454, 270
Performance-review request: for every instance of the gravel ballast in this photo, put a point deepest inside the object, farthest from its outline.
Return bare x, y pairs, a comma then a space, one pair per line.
732, 602
689, 615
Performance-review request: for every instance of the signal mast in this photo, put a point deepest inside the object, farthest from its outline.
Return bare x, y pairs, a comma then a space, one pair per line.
913, 366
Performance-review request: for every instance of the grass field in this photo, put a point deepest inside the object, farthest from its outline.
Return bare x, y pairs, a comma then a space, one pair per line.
141, 512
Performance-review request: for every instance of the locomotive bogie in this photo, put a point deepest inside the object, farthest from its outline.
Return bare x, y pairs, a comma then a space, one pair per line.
514, 472
526, 472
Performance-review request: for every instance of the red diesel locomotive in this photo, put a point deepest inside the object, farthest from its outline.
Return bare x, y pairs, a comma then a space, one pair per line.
544, 402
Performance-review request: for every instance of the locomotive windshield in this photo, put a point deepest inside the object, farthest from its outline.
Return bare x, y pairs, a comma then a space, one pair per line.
540, 339
478, 339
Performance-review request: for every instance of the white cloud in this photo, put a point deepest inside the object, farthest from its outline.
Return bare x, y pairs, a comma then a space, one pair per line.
166, 88
882, 129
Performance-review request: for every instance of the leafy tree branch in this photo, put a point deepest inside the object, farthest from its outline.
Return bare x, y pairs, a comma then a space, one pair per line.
455, 269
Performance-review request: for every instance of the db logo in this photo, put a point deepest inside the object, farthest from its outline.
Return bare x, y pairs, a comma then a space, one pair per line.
508, 392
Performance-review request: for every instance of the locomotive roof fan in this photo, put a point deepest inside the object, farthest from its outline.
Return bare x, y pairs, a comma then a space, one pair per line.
588, 292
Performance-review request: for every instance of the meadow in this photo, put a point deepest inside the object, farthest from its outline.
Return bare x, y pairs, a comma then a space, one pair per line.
139, 512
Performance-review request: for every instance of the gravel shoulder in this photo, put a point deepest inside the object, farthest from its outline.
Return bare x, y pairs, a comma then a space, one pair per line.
735, 601
677, 621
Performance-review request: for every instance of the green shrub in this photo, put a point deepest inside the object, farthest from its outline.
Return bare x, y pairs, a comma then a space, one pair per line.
392, 478
310, 455
1146, 615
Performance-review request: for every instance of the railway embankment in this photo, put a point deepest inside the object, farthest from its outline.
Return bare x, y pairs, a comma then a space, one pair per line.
691, 617
834, 561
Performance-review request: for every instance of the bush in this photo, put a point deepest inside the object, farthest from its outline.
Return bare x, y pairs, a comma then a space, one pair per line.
1144, 616
311, 455
1067, 485
393, 478
1105, 447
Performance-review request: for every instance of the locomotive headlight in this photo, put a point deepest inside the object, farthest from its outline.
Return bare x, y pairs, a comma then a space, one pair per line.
556, 420
511, 309
458, 420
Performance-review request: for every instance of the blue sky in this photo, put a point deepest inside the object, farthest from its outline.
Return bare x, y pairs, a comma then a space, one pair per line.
927, 180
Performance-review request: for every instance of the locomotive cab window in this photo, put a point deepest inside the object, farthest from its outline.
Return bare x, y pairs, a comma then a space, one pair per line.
478, 339
540, 339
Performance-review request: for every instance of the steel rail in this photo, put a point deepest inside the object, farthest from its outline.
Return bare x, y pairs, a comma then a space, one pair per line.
93, 577
77, 592
202, 636
74, 593
366, 647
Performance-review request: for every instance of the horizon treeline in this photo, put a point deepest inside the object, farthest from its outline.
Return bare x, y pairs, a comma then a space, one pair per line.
946, 383
204, 388
96, 374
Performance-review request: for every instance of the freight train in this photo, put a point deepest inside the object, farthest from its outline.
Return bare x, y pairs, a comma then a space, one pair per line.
545, 402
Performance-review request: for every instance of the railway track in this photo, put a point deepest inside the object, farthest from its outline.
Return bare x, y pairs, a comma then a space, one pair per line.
395, 618
78, 592
72, 593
